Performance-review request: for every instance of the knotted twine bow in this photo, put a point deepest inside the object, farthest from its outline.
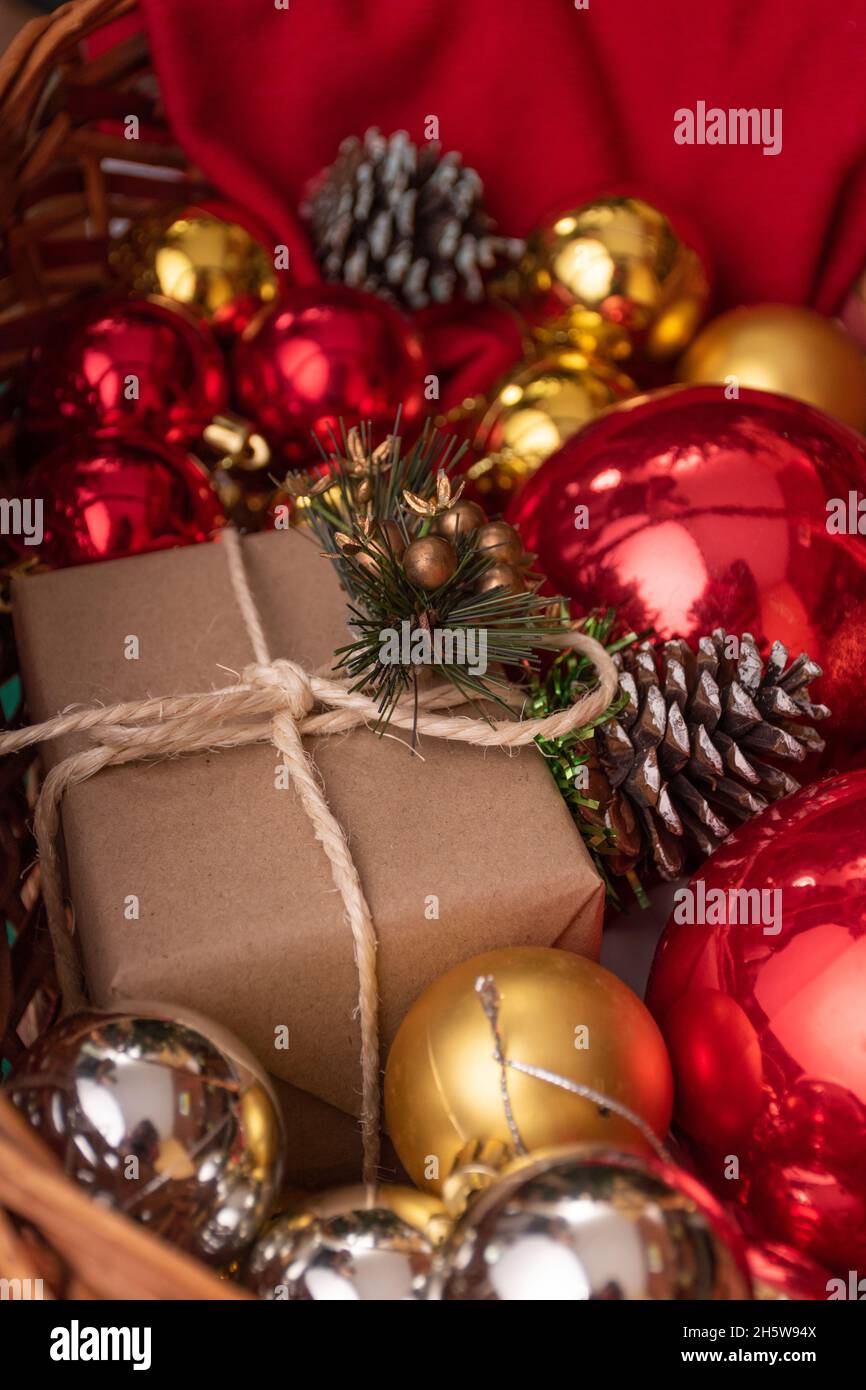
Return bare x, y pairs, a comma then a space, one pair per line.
274, 703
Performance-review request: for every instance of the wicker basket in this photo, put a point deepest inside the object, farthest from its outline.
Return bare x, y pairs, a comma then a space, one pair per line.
66, 175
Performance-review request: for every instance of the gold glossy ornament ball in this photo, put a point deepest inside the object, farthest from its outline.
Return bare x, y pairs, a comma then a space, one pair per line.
558, 1011
210, 265
622, 258
787, 349
462, 518
363, 1244
429, 562
532, 413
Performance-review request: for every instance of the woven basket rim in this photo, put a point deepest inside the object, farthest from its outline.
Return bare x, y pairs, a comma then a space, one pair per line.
50, 1229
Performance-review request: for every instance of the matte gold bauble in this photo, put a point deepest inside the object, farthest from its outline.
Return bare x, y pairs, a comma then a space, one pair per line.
429, 562
622, 258
501, 575
787, 349
558, 1011
462, 518
355, 1243
533, 412
208, 264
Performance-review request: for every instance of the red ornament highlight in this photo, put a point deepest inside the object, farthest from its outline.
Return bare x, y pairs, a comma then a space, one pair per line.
116, 495
322, 354
781, 1273
688, 511
844, 678
134, 363
765, 1021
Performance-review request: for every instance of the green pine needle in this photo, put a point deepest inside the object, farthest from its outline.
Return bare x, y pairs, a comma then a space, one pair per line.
363, 487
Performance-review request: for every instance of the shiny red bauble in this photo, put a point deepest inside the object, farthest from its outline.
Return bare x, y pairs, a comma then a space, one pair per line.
322, 354
764, 1015
778, 1272
844, 678
703, 512
136, 363
118, 494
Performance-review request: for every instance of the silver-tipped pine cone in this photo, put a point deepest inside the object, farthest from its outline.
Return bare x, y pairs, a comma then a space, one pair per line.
696, 748
405, 222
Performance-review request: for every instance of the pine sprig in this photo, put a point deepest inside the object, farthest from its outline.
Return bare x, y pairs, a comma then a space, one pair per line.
368, 507
569, 677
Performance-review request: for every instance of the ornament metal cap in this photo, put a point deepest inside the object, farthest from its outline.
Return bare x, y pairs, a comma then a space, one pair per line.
479, 1163
237, 443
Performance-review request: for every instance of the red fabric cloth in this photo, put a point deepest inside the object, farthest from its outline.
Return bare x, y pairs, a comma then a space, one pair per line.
550, 103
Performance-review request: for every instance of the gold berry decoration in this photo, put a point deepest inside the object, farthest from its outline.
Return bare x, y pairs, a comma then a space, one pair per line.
389, 538
410, 556
501, 542
446, 497
500, 575
429, 562
462, 518
372, 543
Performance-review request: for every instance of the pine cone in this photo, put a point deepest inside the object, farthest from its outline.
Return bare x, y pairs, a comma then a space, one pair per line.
404, 222
685, 758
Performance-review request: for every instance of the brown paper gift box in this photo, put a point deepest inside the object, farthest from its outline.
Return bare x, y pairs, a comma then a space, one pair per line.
238, 916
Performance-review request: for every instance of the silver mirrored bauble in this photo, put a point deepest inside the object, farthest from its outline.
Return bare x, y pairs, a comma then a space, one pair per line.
172, 1123
355, 1243
587, 1224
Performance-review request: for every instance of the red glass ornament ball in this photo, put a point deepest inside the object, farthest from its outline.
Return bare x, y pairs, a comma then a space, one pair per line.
844, 679
779, 1272
688, 511
120, 494
764, 1015
322, 354
137, 363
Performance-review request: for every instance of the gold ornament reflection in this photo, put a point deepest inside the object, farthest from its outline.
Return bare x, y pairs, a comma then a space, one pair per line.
622, 259
533, 412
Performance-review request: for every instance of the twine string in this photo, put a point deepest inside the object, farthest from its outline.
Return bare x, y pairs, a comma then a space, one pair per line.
490, 999
276, 702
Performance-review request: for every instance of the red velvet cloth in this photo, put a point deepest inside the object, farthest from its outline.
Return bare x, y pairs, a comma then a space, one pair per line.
550, 103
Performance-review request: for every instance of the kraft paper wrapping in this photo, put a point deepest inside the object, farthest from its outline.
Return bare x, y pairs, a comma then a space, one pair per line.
461, 852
